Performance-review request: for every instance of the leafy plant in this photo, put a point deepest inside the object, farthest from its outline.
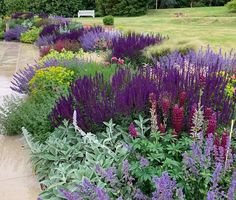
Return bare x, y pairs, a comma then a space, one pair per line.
53, 80
30, 36
69, 155
153, 153
231, 6
108, 20
31, 113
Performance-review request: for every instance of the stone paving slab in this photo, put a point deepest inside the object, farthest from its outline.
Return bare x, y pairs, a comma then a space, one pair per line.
17, 180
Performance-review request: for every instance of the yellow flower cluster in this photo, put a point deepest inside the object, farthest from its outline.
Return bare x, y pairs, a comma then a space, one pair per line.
51, 79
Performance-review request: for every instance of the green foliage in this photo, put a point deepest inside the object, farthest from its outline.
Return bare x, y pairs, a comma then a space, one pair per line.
53, 80
31, 113
92, 68
30, 36
14, 22
16, 6
122, 7
170, 46
231, 6
164, 153
56, 7
2, 8
108, 20
69, 155
1, 35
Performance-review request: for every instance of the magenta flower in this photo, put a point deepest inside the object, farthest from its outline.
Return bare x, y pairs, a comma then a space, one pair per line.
165, 104
132, 130
182, 98
212, 122
178, 118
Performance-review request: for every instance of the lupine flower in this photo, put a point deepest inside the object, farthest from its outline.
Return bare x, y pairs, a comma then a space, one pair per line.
208, 112
165, 105
182, 98
144, 162
212, 123
132, 130
178, 118
162, 128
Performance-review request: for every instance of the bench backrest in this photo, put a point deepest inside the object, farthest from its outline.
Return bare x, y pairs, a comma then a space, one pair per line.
86, 13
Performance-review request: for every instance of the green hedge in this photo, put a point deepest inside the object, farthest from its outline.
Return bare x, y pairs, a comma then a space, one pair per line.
55, 7
122, 7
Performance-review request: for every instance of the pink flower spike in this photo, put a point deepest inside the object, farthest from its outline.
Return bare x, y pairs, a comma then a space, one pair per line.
132, 130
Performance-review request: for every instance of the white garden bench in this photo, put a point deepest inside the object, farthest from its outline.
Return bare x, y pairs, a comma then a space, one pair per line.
82, 13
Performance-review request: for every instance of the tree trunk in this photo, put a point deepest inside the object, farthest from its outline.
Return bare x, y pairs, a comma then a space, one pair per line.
191, 4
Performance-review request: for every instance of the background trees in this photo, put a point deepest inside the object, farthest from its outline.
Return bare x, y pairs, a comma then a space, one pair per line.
69, 8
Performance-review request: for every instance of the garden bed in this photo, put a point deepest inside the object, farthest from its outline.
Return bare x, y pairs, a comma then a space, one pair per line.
114, 115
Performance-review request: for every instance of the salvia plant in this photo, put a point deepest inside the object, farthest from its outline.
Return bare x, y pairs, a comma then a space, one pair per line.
177, 89
130, 46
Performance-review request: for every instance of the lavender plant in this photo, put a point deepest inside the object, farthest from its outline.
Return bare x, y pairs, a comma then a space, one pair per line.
14, 33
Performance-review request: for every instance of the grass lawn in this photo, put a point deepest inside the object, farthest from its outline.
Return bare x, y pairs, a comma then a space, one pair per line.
210, 25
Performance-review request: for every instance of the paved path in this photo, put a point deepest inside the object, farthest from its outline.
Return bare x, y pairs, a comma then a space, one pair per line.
17, 181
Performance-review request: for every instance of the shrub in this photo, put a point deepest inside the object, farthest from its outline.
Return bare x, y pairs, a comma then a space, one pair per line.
108, 20
231, 6
122, 7
14, 33
1, 35
30, 36
53, 80
57, 7
31, 113
13, 6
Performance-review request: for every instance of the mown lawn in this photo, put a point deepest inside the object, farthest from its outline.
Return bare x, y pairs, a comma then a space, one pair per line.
213, 26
